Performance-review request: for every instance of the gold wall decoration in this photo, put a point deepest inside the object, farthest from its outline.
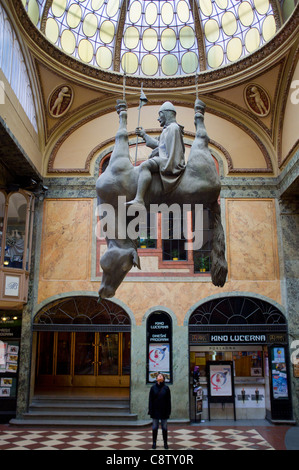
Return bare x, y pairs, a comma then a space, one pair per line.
60, 100
257, 99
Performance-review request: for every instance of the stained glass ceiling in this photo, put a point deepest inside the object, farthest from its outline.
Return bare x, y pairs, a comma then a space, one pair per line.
155, 38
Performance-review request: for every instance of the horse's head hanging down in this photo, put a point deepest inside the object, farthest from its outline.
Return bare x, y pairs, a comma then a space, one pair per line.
116, 263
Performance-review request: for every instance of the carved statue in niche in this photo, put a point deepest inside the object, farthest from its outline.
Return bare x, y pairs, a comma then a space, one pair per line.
167, 180
60, 101
257, 99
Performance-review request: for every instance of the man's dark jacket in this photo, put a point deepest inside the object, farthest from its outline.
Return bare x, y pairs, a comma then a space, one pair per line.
159, 406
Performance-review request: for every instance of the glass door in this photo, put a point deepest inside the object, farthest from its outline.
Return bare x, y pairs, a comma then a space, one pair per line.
108, 354
101, 359
84, 359
63, 358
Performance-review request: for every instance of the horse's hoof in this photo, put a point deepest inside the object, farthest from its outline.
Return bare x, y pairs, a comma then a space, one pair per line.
199, 106
121, 106
136, 203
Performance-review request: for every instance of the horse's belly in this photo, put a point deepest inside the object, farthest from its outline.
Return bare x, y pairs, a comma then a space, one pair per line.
110, 186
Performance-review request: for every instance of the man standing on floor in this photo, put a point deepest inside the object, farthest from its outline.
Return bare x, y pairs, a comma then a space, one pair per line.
159, 408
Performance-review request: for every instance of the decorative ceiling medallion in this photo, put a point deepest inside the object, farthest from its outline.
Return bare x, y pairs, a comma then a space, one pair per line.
60, 101
257, 99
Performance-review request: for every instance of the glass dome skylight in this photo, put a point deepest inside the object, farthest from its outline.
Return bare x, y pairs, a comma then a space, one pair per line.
155, 38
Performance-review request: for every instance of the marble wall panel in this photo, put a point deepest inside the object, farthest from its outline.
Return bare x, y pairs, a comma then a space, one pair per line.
66, 240
251, 239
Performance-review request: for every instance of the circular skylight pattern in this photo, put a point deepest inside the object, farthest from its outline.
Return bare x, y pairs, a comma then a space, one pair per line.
155, 38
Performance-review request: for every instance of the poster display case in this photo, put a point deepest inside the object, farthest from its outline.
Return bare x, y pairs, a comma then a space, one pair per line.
159, 346
9, 371
220, 382
281, 400
10, 333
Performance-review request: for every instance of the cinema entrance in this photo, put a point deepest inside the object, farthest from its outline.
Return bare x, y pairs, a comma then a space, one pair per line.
238, 351
82, 344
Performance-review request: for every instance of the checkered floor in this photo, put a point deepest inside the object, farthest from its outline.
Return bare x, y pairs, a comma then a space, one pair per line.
178, 439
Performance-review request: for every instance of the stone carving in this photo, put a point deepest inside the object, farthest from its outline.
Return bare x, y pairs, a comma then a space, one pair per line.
60, 101
257, 100
198, 183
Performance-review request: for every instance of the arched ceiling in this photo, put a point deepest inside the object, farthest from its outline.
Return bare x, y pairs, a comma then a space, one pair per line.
156, 39
94, 90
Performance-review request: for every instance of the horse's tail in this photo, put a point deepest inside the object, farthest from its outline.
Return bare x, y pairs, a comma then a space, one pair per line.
219, 264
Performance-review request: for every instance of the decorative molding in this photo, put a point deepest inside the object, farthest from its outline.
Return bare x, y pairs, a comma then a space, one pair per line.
290, 153
70, 115
285, 94
66, 135
257, 99
229, 104
44, 15
85, 170
60, 100
255, 138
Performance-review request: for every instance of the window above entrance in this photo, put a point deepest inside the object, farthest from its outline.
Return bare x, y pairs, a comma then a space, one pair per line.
237, 310
82, 310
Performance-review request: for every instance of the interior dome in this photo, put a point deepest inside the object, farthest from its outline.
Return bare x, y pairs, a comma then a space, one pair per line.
155, 38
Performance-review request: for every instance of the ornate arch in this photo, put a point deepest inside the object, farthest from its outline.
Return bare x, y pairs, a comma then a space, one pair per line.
236, 309
74, 312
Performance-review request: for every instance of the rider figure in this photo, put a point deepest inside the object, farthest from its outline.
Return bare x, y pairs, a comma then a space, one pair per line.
167, 158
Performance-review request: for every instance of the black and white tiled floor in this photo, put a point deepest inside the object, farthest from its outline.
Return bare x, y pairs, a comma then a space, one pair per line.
183, 438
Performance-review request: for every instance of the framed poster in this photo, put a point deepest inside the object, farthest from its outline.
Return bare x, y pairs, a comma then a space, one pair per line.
12, 286
220, 380
159, 359
279, 373
159, 346
281, 398
221, 383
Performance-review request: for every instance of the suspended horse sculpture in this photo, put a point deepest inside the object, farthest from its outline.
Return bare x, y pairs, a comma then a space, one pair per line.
195, 183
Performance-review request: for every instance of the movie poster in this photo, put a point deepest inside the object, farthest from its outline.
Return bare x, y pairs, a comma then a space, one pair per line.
220, 380
159, 360
159, 346
279, 373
